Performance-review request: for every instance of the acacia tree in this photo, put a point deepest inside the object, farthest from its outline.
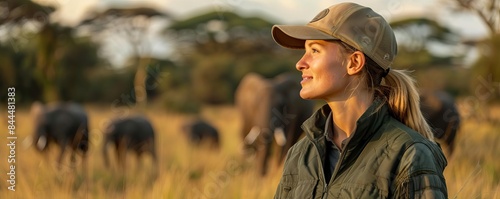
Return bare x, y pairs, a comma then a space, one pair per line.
220, 47
25, 13
47, 62
487, 10
485, 87
417, 36
131, 24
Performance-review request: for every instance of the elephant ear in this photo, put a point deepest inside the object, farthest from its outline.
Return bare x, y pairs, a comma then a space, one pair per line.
249, 88
37, 110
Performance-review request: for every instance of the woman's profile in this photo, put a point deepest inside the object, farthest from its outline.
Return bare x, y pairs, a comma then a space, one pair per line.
370, 140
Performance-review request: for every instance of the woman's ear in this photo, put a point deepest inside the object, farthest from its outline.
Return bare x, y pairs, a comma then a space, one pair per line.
356, 62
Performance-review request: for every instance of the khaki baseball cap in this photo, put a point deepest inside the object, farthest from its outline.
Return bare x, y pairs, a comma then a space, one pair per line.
356, 25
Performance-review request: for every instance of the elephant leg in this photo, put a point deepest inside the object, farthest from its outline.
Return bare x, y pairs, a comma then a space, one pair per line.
61, 154
154, 158
72, 156
105, 154
73, 159
121, 149
118, 153
81, 139
138, 157
264, 151
77, 138
450, 135
74, 145
85, 173
152, 151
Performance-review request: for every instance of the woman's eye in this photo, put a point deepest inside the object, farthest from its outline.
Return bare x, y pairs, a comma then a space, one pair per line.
314, 50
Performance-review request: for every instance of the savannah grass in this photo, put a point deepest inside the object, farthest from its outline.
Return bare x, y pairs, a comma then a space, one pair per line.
186, 171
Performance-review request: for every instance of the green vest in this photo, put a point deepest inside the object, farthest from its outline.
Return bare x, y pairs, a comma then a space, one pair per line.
383, 159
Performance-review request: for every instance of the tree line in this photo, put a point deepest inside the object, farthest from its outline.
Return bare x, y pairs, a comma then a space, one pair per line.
210, 53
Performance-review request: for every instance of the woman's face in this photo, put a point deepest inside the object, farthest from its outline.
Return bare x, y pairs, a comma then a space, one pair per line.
324, 72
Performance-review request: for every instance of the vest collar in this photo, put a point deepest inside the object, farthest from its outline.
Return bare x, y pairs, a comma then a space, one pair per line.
369, 122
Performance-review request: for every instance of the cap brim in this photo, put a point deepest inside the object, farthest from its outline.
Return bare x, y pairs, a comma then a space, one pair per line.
296, 36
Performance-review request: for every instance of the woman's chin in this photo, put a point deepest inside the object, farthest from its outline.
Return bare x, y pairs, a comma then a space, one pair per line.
305, 95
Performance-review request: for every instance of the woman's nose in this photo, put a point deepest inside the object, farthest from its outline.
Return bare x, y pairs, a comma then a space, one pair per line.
301, 64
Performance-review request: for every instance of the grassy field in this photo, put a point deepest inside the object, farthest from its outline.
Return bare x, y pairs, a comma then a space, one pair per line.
193, 172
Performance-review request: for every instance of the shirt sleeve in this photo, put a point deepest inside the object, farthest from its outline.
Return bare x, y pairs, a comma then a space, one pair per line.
420, 173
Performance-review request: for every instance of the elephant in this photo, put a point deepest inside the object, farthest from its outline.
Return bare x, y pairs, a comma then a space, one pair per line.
271, 108
200, 132
441, 112
65, 124
129, 133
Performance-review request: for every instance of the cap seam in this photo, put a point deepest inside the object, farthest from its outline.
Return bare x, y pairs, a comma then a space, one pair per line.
377, 44
342, 20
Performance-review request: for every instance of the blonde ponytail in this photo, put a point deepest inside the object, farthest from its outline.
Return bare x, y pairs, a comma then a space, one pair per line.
399, 90
404, 101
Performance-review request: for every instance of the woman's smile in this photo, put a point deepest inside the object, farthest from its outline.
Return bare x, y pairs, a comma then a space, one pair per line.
305, 79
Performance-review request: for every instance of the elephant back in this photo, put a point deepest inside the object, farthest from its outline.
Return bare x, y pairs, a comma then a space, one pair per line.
439, 108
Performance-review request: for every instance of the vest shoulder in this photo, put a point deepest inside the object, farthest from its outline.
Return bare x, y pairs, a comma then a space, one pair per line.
302, 143
400, 133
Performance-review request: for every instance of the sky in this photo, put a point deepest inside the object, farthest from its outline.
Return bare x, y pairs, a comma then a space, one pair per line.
290, 12
284, 11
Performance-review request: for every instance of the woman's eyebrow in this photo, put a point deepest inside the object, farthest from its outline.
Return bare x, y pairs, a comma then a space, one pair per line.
314, 42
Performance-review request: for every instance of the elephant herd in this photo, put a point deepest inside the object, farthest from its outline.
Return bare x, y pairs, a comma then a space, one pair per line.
66, 125
271, 110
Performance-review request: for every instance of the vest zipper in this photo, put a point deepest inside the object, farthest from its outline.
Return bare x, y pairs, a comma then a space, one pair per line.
334, 174
337, 167
325, 185
339, 163
325, 191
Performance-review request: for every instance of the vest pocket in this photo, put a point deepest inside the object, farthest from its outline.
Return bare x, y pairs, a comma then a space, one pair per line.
303, 189
285, 191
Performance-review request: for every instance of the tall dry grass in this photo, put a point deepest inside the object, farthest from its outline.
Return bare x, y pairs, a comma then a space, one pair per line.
192, 172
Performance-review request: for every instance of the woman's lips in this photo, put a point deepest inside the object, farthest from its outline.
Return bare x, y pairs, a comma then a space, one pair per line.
305, 79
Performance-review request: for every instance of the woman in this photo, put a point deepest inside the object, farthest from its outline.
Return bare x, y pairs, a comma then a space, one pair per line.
370, 140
